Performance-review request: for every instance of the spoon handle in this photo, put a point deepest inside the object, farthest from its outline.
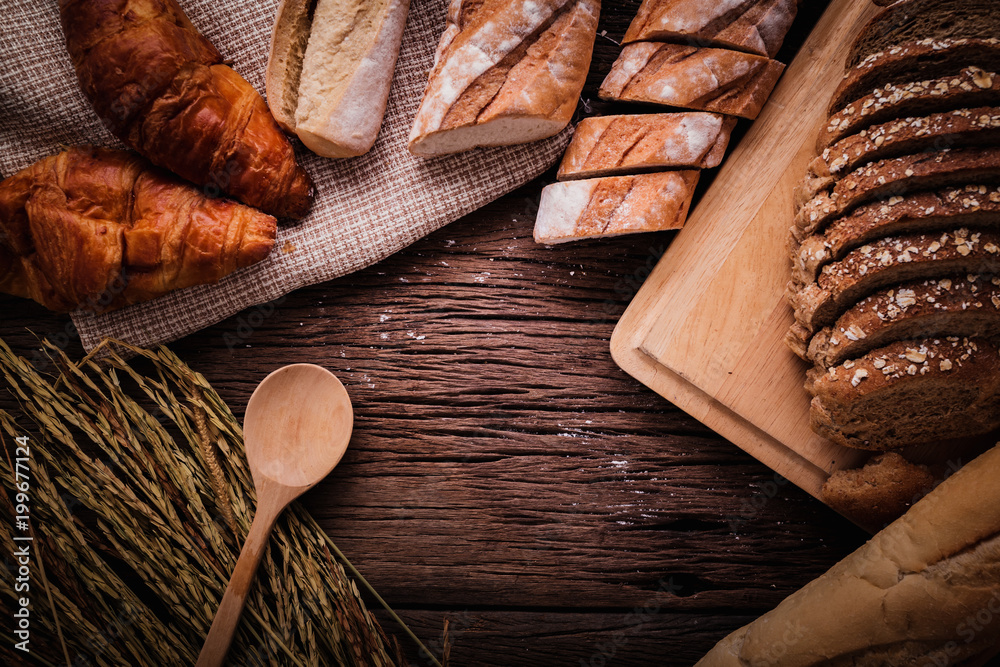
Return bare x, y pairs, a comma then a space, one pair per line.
213, 653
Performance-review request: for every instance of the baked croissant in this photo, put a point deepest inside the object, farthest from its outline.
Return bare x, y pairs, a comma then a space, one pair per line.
162, 88
97, 229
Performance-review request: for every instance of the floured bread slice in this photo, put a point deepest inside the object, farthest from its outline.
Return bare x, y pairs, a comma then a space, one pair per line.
924, 59
756, 26
690, 77
972, 87
612, 145
896, 177
890, 261
959, 306
970, 206
614, 205
909, 393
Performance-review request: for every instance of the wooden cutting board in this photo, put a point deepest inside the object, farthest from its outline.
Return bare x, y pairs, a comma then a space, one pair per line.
706, 330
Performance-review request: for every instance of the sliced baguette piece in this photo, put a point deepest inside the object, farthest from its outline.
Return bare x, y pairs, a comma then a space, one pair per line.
909, 392
614, 205
959, 306
970, 88
612, 145
896, 177
330, 68
924, 59
505, 72
891, 261
755, 26
690, 77
976, 206
906, 598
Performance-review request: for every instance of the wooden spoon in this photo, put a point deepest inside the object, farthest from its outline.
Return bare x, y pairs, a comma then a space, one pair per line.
296, 429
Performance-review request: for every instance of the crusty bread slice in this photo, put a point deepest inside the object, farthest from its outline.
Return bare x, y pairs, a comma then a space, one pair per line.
690, 77
976, 206
909, 393
755, 26
614, 205
923, 59
912, 20
879, 492
612, 145
958, 306
896, 177
970, 88
890, 261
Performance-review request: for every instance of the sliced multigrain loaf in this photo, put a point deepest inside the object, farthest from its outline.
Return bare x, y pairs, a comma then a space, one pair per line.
976, 206
959, 306
970, 88
924, 59
612, 145
879, 492
691, 77
890, 261
756, 26
909, 393
614, 205
896, 177
911, 20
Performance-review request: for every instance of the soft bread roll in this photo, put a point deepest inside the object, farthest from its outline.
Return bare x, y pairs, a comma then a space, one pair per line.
329, 73
925, 590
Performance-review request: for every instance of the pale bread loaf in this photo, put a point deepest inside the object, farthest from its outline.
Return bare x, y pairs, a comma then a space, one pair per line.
690, 77
614, 205
612, 145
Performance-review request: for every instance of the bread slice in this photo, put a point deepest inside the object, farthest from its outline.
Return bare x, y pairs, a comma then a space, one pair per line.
879, 492
912, 20
614, 205
909, 393
976, 206
611, 145
959, 306
755, 26
691, 77
505, 72
923, 59
896, 177
970, 88
891, 261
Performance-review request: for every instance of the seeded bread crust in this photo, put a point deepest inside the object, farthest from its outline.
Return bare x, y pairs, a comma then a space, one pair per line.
891, 261
972, 87
690, 77
963, 306
926, 58
909, 393
898, 176
976, 206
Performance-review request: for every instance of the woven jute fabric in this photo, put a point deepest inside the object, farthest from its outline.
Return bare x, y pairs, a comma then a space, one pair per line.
366, 208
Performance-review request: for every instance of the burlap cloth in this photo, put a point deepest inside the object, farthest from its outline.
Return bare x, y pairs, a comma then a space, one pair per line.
366, 208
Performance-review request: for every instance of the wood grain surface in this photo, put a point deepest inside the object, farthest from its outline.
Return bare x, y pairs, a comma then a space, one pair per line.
504, 474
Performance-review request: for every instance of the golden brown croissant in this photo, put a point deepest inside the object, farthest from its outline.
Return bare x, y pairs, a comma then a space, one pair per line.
98, 229
162, 88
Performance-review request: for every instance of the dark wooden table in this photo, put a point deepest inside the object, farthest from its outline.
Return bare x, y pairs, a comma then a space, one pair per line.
504, 474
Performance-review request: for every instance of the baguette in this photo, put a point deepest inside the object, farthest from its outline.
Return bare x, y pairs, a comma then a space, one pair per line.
506, 72
614, 205
690, 77
755, 26
329, 70
910, 596
612, 145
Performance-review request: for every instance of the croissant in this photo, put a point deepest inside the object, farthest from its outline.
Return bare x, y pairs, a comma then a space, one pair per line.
162, 88
97, 229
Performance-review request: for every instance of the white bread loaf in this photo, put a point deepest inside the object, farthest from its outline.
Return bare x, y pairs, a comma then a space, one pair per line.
612, 145
328, 74
505, 72
614, 205
923, 591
